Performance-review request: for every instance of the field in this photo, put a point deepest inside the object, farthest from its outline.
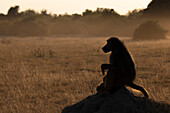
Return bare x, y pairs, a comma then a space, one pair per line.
44, 75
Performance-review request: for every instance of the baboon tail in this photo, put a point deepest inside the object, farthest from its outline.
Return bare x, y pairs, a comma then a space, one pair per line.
132, 85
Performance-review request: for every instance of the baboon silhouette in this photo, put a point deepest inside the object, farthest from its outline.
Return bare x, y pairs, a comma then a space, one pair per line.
121, 70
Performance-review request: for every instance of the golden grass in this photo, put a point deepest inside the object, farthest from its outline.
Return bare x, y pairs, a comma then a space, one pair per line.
33, 79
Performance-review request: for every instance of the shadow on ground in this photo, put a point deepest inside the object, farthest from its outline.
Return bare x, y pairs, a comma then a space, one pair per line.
120, 102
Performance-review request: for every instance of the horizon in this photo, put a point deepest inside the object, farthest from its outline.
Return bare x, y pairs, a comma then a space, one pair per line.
72, 7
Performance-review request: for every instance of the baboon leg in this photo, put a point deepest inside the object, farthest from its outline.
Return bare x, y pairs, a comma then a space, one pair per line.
112, 80
139, 88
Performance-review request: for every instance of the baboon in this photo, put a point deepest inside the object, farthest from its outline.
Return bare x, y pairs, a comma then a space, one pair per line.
121, 70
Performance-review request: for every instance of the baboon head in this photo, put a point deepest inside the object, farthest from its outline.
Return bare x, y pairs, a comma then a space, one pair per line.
113, 43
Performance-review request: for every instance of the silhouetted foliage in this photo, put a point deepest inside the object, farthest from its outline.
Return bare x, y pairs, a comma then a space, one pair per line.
44, 12
149, 30
87, 12
158, 8
107, 12
100, 22
2, 15
13, 11
136, 13
28, 12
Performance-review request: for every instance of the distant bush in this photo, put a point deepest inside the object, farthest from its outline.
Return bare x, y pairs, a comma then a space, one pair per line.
149, 30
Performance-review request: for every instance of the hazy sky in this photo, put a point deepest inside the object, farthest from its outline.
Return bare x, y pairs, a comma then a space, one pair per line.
73, 6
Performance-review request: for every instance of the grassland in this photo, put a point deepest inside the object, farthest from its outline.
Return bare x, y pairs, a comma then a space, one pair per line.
44, 75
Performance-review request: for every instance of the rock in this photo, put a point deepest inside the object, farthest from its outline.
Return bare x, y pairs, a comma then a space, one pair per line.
122, 101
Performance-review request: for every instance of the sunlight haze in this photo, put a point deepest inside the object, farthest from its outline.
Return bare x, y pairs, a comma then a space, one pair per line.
73, 6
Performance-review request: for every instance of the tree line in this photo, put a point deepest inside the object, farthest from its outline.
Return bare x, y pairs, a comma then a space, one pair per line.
101, 22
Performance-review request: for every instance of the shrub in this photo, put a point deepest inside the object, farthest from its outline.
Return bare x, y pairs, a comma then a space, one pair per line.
149, 30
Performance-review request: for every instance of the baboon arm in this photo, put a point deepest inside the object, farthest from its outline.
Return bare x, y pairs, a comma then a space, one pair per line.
109, 81
109, 66
104, 67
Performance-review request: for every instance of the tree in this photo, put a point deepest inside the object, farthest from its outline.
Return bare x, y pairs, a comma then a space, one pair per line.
29, 12
13, 11
135, 13
87, 12
149, 30
158, 8
44, 12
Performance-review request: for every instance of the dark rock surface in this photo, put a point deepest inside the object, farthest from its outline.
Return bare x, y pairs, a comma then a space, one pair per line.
120, 102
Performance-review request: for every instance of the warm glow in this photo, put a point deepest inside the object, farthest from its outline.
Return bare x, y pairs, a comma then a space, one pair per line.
73, 6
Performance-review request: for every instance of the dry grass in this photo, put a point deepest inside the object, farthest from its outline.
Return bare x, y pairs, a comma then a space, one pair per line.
47, 74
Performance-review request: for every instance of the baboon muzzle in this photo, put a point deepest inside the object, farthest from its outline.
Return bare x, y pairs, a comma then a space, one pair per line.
106, 49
